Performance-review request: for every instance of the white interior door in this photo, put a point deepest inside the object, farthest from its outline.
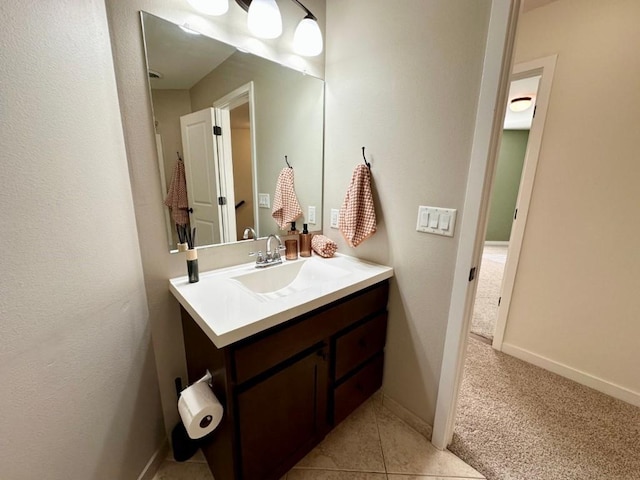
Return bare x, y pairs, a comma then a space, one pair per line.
201, 173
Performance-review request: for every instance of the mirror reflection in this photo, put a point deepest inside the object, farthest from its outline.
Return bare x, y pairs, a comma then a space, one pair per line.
224, 122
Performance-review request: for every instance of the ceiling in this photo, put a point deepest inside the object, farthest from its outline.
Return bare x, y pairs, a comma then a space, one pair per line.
182, 59
527, 87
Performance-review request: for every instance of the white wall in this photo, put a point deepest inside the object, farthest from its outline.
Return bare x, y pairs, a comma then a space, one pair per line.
576, 301
158, 264
79, 396
403, 80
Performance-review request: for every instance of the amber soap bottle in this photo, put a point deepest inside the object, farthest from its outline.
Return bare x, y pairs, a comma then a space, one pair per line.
305, 242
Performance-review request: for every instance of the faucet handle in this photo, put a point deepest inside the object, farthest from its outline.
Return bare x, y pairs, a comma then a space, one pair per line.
259, 256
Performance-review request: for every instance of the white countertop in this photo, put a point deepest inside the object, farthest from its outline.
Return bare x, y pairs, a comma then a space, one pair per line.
227, 311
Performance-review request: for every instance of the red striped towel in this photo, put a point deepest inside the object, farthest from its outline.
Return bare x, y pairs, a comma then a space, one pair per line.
286, 208
323, 246
177, 195
357, 218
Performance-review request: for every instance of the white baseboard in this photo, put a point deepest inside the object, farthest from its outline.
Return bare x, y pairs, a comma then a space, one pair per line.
583, 378
496, 243
407, 416
154, 462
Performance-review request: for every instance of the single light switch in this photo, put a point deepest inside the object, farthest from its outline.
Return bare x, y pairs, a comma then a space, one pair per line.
424, 218
433, 220
334, 217
312, 216
445, 218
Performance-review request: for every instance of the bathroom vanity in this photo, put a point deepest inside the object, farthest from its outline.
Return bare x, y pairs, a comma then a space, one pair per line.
286, 386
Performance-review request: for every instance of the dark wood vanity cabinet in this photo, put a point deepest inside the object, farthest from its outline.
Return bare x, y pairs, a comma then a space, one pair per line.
285, 388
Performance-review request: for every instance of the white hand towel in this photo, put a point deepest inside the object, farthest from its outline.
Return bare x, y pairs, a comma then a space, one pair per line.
357, 218
286, 208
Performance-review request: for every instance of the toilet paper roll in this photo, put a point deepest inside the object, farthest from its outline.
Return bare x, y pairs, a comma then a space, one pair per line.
200, 410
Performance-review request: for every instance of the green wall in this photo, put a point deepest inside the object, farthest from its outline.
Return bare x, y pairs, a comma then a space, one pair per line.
507, 182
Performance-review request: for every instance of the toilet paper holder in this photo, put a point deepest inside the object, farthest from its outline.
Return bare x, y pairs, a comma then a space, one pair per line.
208, 378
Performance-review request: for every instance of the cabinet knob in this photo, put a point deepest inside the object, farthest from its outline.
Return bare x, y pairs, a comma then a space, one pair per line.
322, 354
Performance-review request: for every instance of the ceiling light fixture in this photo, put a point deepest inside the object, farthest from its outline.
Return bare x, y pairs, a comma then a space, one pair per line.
210, 7
264, 21
520, 104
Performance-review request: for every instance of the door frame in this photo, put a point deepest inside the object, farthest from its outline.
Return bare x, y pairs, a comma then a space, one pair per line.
545, 67
492, 104
222, 107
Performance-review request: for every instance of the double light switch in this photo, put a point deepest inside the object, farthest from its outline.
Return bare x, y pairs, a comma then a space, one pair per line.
440, 221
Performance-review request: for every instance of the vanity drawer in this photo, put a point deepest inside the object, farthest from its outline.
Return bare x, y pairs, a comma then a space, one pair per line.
274, 346
360, 344
350, 394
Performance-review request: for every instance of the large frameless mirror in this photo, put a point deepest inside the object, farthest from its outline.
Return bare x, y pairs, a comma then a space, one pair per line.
224, 122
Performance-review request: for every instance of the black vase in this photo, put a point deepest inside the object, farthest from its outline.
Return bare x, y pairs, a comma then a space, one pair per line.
192, 265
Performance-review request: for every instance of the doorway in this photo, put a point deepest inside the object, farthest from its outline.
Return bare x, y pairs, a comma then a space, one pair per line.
236, 117
463, 295
520, 111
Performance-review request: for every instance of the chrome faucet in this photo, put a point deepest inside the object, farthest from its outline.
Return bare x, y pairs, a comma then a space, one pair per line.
247, 231
272, 256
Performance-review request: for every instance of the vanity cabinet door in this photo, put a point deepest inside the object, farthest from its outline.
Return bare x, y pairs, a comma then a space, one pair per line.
282, 417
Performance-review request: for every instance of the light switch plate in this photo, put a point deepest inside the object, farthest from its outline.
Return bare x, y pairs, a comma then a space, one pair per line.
334, 217
264, 200
311, 218
440, 221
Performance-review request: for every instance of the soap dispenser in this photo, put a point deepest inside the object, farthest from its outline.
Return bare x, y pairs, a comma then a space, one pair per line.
305, 242
293, 230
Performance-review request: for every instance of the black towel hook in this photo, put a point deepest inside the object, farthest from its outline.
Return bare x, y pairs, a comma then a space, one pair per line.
365, 159
179, 157
287, 161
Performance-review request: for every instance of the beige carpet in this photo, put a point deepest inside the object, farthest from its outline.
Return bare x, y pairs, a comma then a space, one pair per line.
519, 422
485, 309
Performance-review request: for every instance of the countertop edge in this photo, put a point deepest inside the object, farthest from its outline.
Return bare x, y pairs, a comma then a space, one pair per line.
279, 318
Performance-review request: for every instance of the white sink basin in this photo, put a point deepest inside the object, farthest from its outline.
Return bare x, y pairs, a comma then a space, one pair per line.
231, 304
287, 278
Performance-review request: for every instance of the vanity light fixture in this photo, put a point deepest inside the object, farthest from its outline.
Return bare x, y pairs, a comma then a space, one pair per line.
520, 104
265, 21
210, 7
307, 40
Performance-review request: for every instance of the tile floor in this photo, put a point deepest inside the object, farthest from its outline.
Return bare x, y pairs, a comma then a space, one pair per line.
371, 444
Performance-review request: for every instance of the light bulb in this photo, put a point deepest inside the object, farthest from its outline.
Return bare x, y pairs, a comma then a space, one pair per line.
210, 7
264, 19
307, 40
